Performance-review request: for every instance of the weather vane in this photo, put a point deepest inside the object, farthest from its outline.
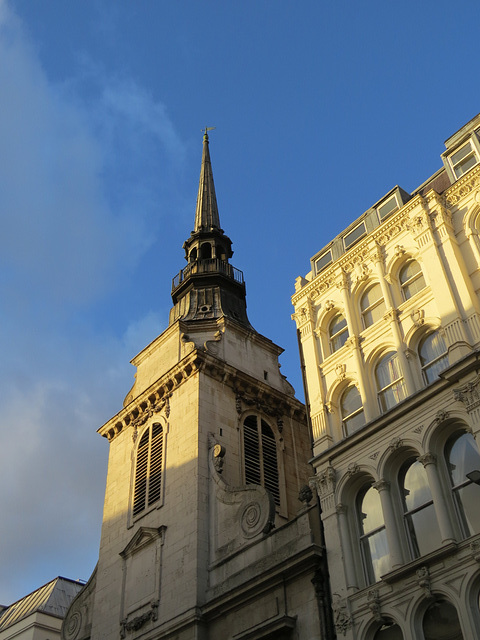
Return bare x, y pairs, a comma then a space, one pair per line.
206, 130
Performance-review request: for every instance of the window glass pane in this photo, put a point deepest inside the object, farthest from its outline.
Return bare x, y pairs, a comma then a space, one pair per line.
338, 332
351, 401
354, 422
460, 155
415, 486
323, 261
389, 632
420, 518
371, 296
372, 305
387, 207
433, 356
464, 166
352, 410
371, 511
441, 621
388, 370
425, 530
411, 279
354, 235
462, 458
376, 552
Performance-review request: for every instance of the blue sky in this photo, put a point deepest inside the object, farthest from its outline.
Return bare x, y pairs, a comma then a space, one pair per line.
319, 108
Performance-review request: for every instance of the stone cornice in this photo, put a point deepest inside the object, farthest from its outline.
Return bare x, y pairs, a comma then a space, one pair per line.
157, 396
462, 187
391, 227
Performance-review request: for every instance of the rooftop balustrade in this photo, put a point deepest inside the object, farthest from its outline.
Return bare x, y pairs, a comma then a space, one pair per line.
212, 265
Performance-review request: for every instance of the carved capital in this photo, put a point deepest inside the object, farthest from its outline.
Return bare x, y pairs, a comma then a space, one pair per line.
475, 550
325, 482
428, 458
381, 485
353, 342
469, 394
341, 509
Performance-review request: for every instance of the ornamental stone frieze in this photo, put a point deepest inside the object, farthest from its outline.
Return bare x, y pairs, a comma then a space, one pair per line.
463, 187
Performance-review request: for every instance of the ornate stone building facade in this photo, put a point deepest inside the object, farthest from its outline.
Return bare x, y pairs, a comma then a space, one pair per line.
389, 325
204, 535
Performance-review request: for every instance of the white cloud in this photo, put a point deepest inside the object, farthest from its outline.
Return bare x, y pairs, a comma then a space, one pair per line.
72, 229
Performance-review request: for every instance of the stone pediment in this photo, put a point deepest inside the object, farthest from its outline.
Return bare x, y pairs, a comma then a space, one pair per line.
143, 537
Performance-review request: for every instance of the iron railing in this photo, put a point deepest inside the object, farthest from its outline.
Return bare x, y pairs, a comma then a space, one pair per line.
212, 265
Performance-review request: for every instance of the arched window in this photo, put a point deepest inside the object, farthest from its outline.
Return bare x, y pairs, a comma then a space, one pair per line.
373, 538
260, 455
389, 631
193, 255
411, 279
440, 621
462, 456
433, 356
390, 384
352, 411
206, 251
338, 332
372, 305
419, 513
148, 469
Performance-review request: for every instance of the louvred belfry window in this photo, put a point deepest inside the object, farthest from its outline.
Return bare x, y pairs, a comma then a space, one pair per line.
148, 470
260, 455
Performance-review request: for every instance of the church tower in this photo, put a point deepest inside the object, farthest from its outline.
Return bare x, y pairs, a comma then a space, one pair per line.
204, 535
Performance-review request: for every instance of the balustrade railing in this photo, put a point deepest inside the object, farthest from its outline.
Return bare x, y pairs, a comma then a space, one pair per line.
212, 265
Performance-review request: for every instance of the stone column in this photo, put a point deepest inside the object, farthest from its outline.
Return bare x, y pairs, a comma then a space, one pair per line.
348, 559
395, 548
429, 461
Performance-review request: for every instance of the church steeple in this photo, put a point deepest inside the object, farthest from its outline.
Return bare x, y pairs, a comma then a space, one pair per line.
209, 287
206, 214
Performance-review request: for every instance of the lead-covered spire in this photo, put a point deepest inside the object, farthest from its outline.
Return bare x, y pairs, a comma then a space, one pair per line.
209, 287
206, 214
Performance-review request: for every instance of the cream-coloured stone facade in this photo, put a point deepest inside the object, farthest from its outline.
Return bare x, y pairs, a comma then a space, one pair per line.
389, 320
204, 535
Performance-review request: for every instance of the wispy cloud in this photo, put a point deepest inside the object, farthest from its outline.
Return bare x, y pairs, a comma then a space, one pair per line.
72, 229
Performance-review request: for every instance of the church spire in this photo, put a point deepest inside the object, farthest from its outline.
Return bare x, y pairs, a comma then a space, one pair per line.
206, 214
209, 287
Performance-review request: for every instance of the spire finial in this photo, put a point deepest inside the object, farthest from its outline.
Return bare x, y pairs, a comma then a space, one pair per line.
206, 214
205, 132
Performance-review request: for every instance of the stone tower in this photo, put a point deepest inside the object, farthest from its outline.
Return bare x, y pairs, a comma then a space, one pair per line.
203, 534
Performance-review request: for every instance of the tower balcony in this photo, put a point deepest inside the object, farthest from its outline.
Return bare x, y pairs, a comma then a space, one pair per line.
209, 266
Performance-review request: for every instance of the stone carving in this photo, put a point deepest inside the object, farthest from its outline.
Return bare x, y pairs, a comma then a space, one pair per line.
329, 305
341, 619
475, 550
395, 444
463, 189
325, 482
373, 602
305, 495
137, 623
353, 468
441, 416
419, 429
77, 622
241, 512
340, 370
399, 250
423, 581
469, 394
212, 345
427, 458
418, 317
375, 455
218, 456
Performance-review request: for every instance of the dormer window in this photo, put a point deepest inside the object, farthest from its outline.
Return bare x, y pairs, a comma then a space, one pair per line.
387, 207
463, 159
354, 236
323, 261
